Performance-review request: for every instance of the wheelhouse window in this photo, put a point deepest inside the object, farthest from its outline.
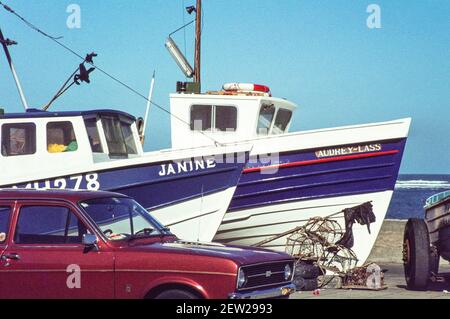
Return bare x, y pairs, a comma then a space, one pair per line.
281, 121
119, 136
48, 225
265, 119
201, 117
61, 137
226, 118
220, 118
93, 134
5, 214
18, 139
128, 137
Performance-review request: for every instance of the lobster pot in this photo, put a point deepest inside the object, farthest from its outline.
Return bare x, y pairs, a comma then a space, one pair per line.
309, 240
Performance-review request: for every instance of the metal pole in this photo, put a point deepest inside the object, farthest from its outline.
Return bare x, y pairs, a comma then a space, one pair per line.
198, 44
149, 101
13, 71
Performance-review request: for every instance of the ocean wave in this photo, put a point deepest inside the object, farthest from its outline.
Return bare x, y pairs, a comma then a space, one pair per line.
422, 184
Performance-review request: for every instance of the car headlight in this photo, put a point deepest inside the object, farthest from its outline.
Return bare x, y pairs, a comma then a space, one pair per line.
287, 272
241, 279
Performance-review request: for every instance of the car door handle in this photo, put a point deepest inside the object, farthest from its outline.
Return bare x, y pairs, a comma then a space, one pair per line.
11, 257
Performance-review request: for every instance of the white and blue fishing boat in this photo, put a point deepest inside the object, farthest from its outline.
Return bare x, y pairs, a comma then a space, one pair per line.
292, 177
188, 189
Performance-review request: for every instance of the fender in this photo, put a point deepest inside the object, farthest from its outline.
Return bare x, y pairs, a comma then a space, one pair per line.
175, 280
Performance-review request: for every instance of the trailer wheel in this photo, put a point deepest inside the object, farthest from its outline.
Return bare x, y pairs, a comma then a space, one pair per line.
416, 254
434, 260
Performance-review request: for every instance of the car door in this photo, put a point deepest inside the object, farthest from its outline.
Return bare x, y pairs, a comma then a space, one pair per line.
46, 257
6, 209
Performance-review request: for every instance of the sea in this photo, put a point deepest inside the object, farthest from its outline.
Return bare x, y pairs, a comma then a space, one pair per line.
411, 192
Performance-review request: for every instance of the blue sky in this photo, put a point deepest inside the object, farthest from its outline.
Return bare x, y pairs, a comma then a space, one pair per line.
319, 54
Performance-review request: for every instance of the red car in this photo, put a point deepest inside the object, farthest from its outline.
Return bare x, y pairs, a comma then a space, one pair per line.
67, 244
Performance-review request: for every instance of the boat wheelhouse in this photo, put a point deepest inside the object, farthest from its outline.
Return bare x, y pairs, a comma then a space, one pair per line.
292, 177
228, 117
189, 190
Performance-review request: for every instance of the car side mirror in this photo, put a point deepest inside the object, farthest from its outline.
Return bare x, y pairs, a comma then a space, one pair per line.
89, 240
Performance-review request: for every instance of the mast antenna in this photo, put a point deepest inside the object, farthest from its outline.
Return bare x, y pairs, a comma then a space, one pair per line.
198, 42
5, 43
147, 110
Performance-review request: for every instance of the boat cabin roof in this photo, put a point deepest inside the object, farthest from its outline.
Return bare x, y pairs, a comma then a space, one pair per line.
36, 113
63, 141
221, 98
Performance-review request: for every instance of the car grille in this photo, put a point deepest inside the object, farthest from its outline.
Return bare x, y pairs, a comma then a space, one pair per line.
265, 274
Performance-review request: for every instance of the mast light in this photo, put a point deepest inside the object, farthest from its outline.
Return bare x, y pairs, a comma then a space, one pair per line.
179, 58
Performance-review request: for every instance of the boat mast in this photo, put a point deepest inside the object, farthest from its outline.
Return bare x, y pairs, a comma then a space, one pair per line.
5, 43
198, 35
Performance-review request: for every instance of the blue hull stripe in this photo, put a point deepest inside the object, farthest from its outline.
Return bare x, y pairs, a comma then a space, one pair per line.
319, 177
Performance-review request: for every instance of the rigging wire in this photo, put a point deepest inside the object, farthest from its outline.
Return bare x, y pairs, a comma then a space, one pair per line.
61, 91
182, 27
9, 9
104, 72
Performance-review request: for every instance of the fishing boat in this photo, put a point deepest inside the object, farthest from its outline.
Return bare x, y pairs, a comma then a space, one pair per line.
290, 177
188, 189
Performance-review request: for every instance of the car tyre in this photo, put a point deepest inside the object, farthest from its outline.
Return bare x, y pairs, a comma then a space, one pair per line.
302, 284
416, 254
176, 294
307, 270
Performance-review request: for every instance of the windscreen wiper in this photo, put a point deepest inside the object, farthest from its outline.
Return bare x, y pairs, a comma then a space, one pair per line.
146, 233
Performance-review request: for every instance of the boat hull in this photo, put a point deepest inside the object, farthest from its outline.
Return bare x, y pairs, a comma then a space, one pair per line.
197, 219
345, 167
250, 226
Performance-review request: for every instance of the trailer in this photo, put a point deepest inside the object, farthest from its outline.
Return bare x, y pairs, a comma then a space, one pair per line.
426, 241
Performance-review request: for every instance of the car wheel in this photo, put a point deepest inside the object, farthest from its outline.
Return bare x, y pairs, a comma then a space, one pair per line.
416, 254
307, 270
302, 284
176, 294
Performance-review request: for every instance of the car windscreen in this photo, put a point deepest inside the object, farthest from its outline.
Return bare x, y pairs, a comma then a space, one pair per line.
121, 218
